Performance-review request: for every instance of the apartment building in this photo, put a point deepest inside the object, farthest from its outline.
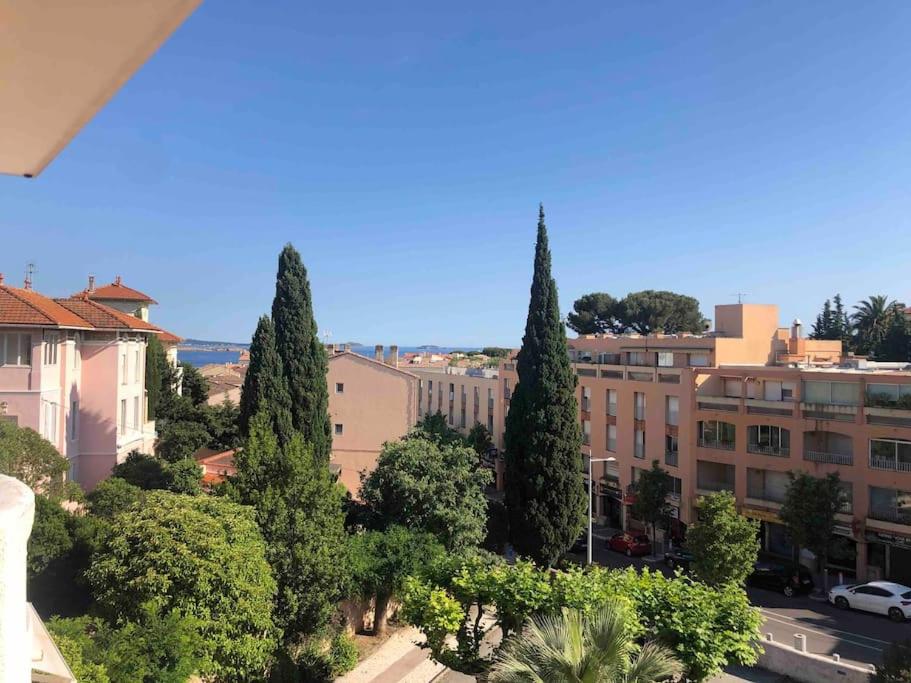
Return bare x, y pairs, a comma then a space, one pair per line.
736, 409
371, 401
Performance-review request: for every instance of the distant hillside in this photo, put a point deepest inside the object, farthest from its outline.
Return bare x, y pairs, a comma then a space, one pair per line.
206, 344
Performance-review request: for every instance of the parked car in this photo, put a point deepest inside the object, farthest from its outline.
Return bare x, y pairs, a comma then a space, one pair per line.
880, 597
580, 545
789, 580
630, 544
679, 557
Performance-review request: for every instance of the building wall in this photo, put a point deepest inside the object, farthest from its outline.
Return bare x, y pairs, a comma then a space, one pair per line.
378, 404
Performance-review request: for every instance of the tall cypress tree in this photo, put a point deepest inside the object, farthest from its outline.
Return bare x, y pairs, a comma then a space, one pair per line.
264, 388
545, 492
304, 359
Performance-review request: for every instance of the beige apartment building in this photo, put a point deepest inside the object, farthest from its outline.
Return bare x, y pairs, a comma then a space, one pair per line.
739, 407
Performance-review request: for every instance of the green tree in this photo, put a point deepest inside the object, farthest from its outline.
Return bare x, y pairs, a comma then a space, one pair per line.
30, 458
202, 556
660, 311
480, 439
595, 313
179, 440
495, 351
808, 512
222, 423
724, 543
193, 385
841, 325
148, 472
896, 666
304, 360
113, 496
433, 426
265, 389
651, 491
50, 537
896, 343
430, 486
159, 375
576, 646
824, 327
545, 495
381, 560
185, 476
299, 508
871, 319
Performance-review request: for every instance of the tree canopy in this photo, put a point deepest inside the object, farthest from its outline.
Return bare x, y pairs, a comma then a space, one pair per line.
545, 494
651, 491
723, 542
30, 458
642, 312
265, 388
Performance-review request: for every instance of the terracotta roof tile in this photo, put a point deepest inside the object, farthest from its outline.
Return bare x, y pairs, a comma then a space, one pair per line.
28, 307
168, 337
117, 291
104, 317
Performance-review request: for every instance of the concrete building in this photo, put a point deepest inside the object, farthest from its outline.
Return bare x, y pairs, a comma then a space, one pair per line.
739, 407
370, 402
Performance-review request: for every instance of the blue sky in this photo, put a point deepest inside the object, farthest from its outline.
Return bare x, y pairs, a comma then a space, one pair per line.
707, 148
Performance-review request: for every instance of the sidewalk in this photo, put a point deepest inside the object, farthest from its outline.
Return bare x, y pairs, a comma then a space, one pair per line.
399, 659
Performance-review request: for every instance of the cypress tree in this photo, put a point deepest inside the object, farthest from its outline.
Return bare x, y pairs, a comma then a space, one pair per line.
264, 388
545, 491
304, 359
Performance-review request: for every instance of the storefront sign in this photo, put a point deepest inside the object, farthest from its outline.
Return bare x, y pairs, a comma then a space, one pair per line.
888, 539
762, 515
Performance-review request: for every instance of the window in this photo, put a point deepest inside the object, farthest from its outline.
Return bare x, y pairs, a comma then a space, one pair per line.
74, 420
640, 405
768, 440
612, 402
671, 447
676, 486
890, 505
51, 340
136, 365
451, 391
716, 434
586, 398
123, 416
586, 432
125, 367
50, 422
339, 429
489, 399
698, 360
15, 349
339, 387
890, 454
490, 423
637, 358
430, 396
733, 387
639, 451
506, 393
778, 391
665, 359
834, 393
136, 424
767, 485
77, 350
888, 394
612, 438
672, 410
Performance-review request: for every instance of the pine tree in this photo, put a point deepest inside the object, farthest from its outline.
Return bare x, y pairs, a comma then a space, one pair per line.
264, 388
841, 325
545, 493
304, 360
823, 327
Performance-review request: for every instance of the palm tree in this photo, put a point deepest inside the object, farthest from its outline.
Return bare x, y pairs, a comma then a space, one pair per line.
577, 647
871, 320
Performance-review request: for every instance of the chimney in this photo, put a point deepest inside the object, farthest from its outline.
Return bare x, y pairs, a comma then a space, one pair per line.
1, 278
117, 280
394, 355
346, 347
91, 283
796, 328
331, 349
378, 353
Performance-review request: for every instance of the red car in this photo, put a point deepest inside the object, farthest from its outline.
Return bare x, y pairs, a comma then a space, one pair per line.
630, 544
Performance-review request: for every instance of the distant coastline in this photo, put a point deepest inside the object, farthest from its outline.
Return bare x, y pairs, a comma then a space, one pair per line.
199, 353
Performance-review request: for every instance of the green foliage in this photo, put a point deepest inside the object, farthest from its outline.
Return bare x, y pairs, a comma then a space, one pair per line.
896, 666
321, 660
179, 440
193, 385
651, 491
495, 352
497, 534
343, 653
480, 439
156, 649
202, 556
432, 486
433, 426
545, 495
304, 360
148, 473
809, 510
27, 456
871, 319
643, 312
724, 543
159, 377
833, 323
113, 496
222, 423
433, 610
50, 537
299, 508
265, 388
896, 342
574, 646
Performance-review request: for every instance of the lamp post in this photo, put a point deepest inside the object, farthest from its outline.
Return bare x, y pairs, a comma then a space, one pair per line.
591, 497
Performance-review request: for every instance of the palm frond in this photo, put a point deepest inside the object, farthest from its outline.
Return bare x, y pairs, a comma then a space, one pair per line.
653, 663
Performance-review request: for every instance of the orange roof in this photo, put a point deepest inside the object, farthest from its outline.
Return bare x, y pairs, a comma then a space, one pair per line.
28, 307
104, 317
117, 291
168, 337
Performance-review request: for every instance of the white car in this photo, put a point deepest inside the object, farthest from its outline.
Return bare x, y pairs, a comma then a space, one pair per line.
881, 597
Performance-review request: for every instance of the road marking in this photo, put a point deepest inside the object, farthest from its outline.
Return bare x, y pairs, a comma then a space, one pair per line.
795, 622
833, 630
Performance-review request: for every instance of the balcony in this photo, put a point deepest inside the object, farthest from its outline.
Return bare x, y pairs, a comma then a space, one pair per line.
704, 488
671, 458
896, 417
727, 404
828, 411
829, 458
717, 445
894, 464
587, 439
757, 406
775, 451
893, 516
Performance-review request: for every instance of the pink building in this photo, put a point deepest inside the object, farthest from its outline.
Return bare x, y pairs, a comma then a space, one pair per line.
74, 371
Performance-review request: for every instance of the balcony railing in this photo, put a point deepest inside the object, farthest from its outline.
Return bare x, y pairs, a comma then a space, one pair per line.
878, 462
671, 458
902, 516
828, 458
718, 445
715, 485
777, 451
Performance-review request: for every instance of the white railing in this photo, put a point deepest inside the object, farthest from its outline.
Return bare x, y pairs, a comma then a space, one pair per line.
720, 445
777, 451
830, 458
878, 462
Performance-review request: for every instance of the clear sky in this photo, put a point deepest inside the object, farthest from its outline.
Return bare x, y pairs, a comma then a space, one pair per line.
707, 148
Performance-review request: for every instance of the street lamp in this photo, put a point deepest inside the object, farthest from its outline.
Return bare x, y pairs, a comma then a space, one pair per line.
591, 496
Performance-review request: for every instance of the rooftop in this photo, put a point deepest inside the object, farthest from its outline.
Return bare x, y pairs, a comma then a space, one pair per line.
115, 291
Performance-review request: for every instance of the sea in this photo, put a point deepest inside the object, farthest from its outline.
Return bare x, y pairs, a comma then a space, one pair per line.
200, 358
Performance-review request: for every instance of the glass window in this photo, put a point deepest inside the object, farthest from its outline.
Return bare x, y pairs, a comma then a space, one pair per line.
640, 405
639, 451
836, 393
665, 359
51, 340
612, 438
611, 401
637, 358
732, 387
672, 410
339, 429
123, 416
15, 349
339, 387
698, 360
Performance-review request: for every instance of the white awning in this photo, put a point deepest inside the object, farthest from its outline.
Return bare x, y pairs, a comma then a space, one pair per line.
62, 60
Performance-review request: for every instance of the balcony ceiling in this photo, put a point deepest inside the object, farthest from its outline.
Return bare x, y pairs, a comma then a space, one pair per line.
62, 60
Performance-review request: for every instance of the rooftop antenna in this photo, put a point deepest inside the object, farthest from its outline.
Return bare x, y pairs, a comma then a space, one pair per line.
740, 296
326, 336
30, 270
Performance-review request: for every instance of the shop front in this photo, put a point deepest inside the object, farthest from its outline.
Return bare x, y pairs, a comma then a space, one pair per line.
888, 556
611, 498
